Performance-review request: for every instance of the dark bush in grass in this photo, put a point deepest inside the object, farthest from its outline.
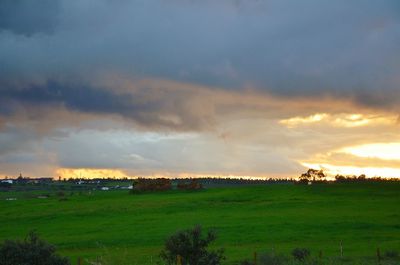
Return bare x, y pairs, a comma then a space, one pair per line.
31, 251
192, 247
300, 254
392, 254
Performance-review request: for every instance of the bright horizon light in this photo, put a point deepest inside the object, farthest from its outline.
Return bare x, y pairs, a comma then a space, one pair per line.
342, 120
332, 170
385, 151
88, 173
85, 173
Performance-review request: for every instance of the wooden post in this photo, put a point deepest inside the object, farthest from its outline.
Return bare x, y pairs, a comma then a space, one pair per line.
178, 260
378, 255
320, 254
79, 261
341, 249
255, 258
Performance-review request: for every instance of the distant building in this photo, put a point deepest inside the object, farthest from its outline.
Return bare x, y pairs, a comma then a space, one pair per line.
9, 181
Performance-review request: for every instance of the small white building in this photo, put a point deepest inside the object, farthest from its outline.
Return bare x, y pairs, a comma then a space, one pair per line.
9, 181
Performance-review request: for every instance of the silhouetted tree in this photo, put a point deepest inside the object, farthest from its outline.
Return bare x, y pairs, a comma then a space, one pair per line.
313, 175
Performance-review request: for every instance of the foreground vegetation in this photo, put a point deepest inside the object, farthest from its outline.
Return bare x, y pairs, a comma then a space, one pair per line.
123, 228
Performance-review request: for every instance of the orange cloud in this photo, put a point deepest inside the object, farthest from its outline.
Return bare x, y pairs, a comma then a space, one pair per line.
89, 173
344, 120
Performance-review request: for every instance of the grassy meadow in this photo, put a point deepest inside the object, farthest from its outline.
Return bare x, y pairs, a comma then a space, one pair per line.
132, 228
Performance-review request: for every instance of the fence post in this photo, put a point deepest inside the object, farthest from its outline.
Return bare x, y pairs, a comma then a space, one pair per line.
178, 260
378, 255
79, 261
255, 258
341, 249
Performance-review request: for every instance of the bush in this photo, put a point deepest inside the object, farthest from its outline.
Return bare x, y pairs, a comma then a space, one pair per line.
300, 254
31, 251
159, 184
191, 246
392, 254
192, 185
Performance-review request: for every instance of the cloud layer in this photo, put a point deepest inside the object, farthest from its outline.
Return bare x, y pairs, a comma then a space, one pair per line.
215, 69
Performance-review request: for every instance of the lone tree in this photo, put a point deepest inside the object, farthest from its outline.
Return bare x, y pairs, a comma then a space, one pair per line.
31, 251
312, 175
191, 248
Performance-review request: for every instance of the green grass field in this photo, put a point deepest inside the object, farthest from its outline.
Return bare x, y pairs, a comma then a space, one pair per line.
253, 218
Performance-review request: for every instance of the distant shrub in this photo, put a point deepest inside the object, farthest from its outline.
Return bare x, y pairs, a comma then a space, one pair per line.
300, 254
392, 254
159, 184
192, 185
192, 248
31, 251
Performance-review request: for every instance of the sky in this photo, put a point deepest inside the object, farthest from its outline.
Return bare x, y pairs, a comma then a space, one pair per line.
177, 88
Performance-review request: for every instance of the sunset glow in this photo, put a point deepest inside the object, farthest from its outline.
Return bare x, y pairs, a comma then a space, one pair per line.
83, 173
333, 170
340, 120
387, 151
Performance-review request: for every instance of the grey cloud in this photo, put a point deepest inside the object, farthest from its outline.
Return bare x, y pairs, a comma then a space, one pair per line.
29, 17
149, 107
290, 48
139, 154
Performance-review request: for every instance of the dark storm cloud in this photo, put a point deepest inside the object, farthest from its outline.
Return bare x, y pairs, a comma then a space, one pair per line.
28, 17
80, 98
311, 48
152, 107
